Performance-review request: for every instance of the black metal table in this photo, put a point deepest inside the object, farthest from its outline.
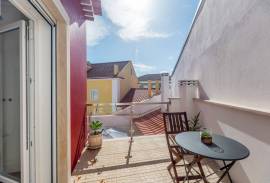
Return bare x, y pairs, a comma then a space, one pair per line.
222, 148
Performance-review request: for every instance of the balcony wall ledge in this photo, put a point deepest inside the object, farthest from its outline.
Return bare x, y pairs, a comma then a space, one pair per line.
176, 98
256, 111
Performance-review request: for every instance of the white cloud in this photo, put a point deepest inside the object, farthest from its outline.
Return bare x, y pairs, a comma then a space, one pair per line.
96, 31
143, 69
133, 18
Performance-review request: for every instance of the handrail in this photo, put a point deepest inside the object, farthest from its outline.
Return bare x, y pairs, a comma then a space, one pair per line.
128, 103
130, 108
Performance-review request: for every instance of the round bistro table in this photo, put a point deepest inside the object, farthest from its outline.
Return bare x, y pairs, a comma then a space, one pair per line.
222, 148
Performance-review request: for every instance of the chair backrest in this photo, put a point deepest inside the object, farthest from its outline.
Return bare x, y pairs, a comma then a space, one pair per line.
175, 123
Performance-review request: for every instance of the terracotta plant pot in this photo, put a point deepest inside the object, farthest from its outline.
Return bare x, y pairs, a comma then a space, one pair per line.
95, 141
207, 140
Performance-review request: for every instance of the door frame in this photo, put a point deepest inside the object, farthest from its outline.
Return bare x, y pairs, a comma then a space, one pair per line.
61, 167
24, 136
37, 13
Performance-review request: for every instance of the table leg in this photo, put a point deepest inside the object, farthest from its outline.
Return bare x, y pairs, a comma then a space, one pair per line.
228, 172
227, 167
202, 172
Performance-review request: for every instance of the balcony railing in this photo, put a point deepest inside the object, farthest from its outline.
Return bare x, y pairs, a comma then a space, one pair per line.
120, 116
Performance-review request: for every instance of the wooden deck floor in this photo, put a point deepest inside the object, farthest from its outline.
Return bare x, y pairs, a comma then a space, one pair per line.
118, 161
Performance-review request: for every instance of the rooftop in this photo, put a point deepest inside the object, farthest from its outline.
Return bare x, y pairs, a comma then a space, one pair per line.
150, 124
152, 77
105, 70
136, 95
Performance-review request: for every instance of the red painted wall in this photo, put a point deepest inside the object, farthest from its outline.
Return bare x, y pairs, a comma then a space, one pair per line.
78, 69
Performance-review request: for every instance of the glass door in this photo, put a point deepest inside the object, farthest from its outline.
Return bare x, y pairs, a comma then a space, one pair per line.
14, 150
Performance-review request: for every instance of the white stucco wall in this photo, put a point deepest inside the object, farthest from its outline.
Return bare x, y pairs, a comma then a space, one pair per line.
115, 90
228, 52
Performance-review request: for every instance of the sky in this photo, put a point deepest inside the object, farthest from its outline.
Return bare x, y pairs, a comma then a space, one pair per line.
150, 33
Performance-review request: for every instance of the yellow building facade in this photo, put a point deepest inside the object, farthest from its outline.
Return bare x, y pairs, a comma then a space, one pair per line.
103, 87
109, 83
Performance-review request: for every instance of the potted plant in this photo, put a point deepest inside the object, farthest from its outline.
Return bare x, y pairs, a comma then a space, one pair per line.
205, 134
95, 135
206, 137
194, 123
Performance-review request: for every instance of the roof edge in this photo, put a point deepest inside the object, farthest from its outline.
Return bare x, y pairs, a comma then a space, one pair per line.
197, 14
110, 62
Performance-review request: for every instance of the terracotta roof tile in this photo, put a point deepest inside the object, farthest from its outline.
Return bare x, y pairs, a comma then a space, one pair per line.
136, 95
105, 70
152, 77
150, 124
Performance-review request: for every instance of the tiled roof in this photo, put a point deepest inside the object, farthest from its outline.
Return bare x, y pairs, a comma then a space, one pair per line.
150, 124
152, 77
105, 70
136, 95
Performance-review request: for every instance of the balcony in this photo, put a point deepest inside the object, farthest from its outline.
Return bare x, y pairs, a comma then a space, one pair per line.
134, 147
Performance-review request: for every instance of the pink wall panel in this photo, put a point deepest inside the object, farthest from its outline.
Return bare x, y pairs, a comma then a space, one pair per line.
78, 89
78, 69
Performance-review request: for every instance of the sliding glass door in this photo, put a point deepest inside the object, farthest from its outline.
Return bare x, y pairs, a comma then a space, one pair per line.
14, 155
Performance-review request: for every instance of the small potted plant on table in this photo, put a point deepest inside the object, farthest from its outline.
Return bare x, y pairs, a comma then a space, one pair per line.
95, 135
205, 134
206, 137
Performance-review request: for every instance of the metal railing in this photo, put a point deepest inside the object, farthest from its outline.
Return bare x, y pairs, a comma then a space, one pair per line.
96, 108
130, 109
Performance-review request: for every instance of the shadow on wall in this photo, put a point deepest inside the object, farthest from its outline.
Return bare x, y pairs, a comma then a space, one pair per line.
202, 93
250, 129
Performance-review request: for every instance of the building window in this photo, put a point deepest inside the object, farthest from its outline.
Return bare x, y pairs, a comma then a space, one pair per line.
94, 95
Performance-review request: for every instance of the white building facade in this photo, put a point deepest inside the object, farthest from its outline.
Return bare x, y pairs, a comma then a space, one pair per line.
227, 51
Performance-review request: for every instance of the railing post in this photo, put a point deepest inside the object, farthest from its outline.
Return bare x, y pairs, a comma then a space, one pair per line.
131, 122
96, 112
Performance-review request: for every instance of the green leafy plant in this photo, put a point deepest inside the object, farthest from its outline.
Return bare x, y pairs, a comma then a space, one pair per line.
206, 135
194, 123
96, 127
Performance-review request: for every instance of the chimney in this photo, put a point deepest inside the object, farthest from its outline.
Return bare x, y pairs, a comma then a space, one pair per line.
165, 87
188, 90
149, 88
115, 69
